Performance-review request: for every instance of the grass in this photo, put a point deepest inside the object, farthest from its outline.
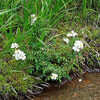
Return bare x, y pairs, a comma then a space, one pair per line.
19, 16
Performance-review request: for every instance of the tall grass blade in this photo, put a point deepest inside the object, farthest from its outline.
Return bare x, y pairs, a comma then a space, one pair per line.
84, 8
3, 12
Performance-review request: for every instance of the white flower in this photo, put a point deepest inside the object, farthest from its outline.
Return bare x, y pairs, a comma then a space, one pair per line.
79, 44
19, 55
66, 40
80, 80
18, 51
69, 34
75, 48
23, 57
73, 33
14, 45
54, 76
33, 18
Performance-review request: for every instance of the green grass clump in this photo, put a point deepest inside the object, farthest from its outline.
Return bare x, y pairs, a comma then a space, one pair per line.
91, 38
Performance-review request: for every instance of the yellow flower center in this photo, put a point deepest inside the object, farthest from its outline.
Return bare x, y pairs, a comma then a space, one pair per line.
54, 76
80, 44
16, 50
68, 33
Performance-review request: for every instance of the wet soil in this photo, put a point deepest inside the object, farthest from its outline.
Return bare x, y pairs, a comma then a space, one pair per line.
87, 89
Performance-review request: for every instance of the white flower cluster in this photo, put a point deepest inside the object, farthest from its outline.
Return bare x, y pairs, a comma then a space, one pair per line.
78, 45
18, 53
66, 40
54, 76
33, 18
73, 34
80, 80
14, 45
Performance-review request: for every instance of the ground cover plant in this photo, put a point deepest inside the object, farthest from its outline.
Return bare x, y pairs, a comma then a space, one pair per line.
43, 40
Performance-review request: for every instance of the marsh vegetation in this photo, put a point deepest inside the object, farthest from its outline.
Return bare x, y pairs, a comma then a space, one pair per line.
43, 41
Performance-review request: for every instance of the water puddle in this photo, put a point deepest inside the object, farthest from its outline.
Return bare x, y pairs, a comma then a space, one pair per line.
87, 89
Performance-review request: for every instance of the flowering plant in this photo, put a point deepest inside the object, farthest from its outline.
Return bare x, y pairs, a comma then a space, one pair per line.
55, 61
18, 54
33, 18
59, 58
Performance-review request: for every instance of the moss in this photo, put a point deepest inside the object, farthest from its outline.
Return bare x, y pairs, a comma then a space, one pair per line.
13, 81
12, 62
19, 81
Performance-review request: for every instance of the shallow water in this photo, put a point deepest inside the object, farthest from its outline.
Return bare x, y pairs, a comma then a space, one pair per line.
87, 89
